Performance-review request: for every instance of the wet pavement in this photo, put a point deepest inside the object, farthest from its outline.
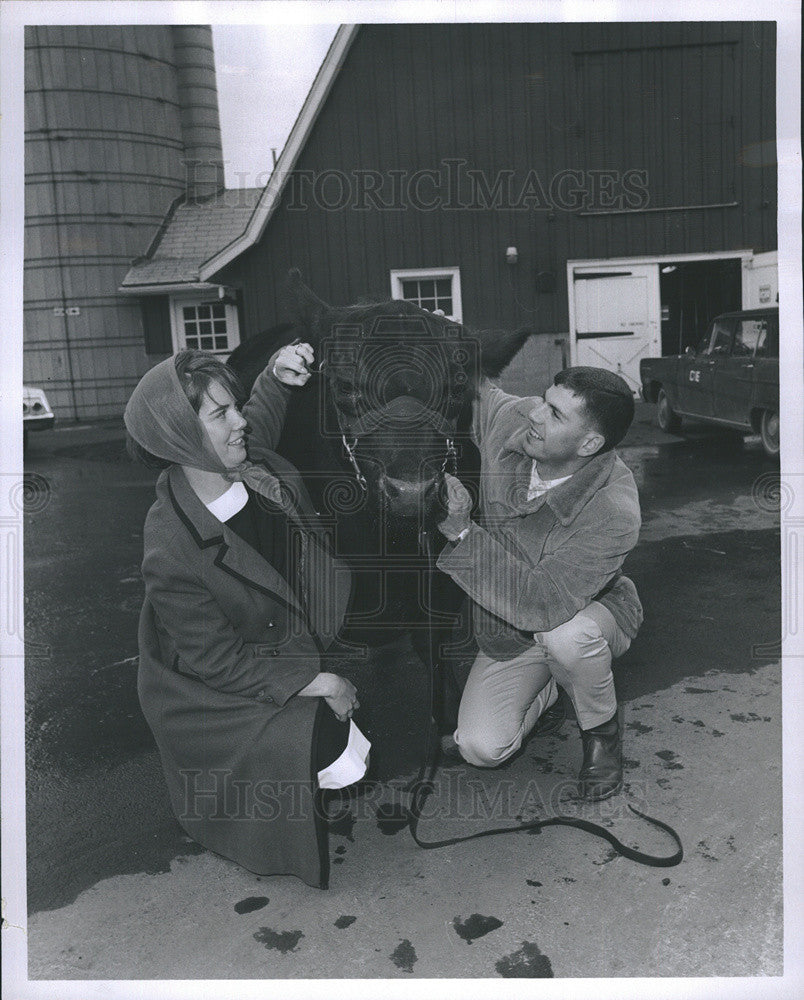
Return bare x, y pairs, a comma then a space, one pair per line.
116, 890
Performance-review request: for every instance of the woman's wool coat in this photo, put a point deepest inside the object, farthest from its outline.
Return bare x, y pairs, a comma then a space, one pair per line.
225, 645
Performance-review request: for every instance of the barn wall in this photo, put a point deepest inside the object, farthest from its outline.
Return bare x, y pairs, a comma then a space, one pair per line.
692, 105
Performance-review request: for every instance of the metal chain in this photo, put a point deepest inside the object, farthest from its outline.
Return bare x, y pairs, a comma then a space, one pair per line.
350, 454
451, 458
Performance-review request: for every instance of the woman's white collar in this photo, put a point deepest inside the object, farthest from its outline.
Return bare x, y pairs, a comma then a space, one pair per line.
229, 503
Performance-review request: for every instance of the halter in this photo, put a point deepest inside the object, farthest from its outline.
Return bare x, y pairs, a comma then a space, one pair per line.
350, 454
450, 463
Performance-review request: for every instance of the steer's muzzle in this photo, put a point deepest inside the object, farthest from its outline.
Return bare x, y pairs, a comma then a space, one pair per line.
406, 497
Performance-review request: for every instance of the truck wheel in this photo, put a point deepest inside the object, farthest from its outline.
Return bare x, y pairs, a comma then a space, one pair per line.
669, 421
769, 432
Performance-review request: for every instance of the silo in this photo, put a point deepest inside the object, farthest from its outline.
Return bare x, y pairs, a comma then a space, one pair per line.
198, 109
112, 113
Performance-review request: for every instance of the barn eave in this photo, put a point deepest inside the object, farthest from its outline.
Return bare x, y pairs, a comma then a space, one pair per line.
286, 163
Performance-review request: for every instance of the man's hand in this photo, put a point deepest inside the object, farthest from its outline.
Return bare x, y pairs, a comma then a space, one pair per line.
292, 364
458, 504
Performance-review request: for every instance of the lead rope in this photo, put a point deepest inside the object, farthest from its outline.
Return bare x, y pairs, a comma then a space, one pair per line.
423, 786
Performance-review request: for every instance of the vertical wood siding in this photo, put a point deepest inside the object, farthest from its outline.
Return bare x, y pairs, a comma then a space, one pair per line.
692, 104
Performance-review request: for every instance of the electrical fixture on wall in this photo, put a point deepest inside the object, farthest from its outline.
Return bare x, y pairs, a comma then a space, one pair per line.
511, 255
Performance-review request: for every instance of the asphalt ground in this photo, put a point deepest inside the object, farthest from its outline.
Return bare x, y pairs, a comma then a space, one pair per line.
116, 890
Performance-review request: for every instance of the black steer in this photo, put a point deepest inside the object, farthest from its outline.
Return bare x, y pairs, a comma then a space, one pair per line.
373, 431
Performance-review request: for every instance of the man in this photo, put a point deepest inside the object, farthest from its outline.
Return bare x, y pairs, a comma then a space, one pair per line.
559, 512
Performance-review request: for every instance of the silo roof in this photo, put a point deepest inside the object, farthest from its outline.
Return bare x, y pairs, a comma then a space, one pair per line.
191, 233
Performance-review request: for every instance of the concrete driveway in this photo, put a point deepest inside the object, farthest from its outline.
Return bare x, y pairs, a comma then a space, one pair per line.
117, 892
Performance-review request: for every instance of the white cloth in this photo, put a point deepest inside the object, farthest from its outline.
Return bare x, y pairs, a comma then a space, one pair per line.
538, 486
229, 503
350, 766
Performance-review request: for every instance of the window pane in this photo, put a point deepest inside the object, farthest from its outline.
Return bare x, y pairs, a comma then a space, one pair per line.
203, 312
205, 327
219, 310
431, 293
189, 312
219, 326
221, 343
206, 344
721, 341
191, 341
748, 334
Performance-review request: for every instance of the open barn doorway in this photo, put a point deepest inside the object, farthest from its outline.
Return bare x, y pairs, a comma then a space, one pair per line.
624, 309
692, 293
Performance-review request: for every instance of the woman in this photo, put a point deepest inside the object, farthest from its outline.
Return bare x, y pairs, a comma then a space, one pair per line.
242, 600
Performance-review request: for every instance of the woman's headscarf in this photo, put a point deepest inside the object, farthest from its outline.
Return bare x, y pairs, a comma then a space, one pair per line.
161, 419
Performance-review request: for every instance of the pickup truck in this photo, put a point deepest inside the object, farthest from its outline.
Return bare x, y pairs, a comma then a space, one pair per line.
731, 379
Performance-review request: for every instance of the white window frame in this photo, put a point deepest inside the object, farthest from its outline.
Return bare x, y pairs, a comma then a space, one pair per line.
177, 305
398, 275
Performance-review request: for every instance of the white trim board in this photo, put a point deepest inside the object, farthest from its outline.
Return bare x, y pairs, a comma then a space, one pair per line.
668, 258
269, 199
171, 288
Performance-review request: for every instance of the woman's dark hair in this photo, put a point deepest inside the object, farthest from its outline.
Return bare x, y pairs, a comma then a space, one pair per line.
197, 370
607, 398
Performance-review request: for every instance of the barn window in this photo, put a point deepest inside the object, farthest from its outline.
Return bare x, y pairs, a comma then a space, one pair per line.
431, 288
205, 325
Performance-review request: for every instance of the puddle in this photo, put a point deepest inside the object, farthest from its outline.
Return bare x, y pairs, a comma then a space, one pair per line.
475, 926
526, 963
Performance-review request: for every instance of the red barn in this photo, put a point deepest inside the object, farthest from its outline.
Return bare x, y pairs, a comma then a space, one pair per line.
609, 186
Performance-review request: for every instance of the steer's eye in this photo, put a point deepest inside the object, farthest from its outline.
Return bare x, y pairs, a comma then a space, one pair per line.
346, 390
346, 394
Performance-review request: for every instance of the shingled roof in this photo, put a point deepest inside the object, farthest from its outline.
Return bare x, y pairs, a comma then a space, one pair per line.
190, 235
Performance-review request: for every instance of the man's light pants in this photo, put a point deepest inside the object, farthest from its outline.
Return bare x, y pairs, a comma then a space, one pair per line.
502, 701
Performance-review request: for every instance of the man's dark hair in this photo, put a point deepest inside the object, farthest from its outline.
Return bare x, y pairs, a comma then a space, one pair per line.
607, 398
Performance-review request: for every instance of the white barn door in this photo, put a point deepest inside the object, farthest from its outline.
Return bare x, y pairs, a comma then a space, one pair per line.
615, 317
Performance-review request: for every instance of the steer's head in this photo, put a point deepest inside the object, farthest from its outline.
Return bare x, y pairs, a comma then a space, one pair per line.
398, 383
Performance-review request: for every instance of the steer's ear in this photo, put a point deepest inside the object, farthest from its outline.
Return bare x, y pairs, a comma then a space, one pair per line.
498, 347
306, 311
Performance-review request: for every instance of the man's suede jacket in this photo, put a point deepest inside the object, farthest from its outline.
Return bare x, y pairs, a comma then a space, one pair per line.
529, 566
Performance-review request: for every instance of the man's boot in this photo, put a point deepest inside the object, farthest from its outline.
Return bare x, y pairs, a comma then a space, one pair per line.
601, 773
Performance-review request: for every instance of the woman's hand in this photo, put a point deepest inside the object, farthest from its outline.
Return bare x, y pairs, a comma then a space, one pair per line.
344, 701
291, 365
337, 692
